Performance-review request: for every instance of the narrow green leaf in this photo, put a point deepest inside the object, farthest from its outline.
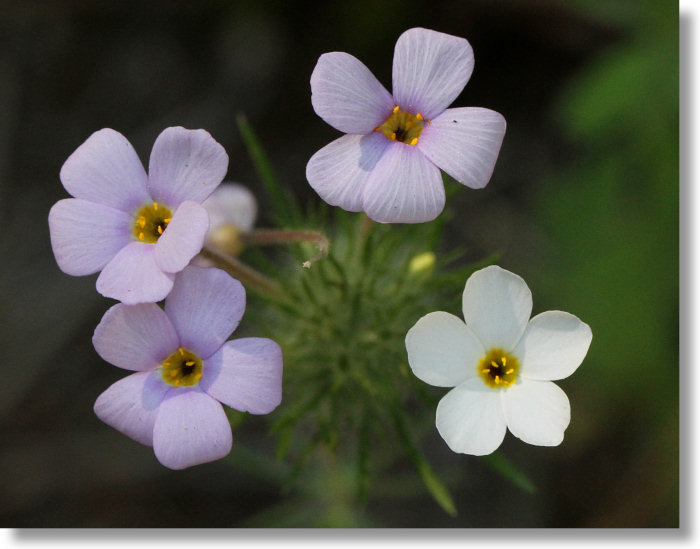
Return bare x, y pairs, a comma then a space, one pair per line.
434, 485
503, 466
283, 203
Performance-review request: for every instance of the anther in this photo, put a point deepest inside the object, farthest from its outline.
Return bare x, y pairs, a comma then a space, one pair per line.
155, 206
419, 116
503, 360
497, 380
181, 351
396, 109
493, 363
189, 363
167, 220
141, 222
510, 371
140, 236
160, 229
393, 136
414, 141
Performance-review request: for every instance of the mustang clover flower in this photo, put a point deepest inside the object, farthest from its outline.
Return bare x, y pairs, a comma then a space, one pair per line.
185, 368
500, 364
138, 229
389, 163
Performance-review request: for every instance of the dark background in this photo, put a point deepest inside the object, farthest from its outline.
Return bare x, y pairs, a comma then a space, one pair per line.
583, 204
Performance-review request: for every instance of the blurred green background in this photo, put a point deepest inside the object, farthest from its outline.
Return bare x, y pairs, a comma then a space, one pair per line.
585, 196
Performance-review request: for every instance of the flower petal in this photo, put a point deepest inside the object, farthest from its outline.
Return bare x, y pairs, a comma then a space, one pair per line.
205, 306
191, 428
86, 235
430, 70
132, 276
404, 187
183, 237
442, 351
347, 95
340, 170
553, 346
537, 412
465, 143
135, 337
185, 165
232, 204
245, 374
497, 305
106, 169
131, 405
470, 418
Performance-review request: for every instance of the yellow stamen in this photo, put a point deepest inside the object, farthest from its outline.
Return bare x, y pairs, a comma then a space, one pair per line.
176, 382
141, 222
419, 116
413, 141
393, 136
503, 360
510, 371
160, 229
155, 206
181, 351
493, 363
486, 370
189, 363
497, 380
396, 109
167, 220
141, 237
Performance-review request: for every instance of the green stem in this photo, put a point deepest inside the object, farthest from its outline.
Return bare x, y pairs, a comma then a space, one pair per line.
247, 275
285, 236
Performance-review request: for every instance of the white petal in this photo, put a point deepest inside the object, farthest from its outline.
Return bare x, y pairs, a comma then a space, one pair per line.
553, 346
430, 70
537, 412
347, 95
465, 143
470, 418
404, 187
442, 351
497, 305
339, 171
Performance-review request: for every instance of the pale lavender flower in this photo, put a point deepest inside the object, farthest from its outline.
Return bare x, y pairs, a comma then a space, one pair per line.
138, 229
185, 368
389, 163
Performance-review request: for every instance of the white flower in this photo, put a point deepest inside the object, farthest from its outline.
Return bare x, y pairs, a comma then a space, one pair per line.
501, 364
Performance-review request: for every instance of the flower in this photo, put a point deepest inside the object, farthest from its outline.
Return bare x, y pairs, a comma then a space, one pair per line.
232, 209
389, 163
500, 364
138, 229
185, 368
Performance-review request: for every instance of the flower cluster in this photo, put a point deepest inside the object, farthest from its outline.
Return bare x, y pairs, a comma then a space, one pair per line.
153, 235
142, 231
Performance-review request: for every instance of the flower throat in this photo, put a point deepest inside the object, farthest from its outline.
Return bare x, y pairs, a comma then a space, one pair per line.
402, 126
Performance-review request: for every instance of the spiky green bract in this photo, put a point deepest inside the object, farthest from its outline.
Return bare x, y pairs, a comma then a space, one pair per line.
342, 325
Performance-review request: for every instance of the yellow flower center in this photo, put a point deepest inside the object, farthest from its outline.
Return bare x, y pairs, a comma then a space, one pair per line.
498, 369
151, 221
402, 126
182, 369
